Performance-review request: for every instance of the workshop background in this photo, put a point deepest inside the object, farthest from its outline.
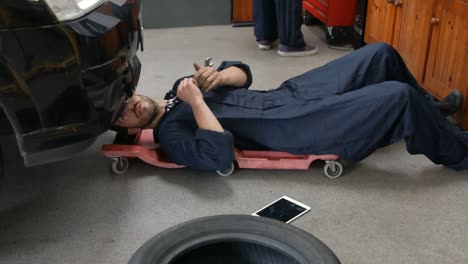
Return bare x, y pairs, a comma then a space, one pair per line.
390, 208
186, 13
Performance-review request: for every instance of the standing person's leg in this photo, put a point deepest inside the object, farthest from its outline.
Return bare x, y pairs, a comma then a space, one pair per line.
289, 16
289, 23
265, 25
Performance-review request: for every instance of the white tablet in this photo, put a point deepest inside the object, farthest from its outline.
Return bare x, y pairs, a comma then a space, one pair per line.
284, 209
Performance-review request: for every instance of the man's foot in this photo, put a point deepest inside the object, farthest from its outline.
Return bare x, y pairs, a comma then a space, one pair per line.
264, 44
451, 104
308, 50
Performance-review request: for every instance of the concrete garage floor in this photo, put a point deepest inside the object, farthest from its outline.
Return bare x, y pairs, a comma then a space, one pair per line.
389, 208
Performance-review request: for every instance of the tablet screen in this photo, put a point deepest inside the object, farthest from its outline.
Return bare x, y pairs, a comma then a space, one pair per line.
282, 210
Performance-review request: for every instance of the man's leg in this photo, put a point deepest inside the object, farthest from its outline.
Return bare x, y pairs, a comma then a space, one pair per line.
377, 63
265, 25
391, 111
372, 64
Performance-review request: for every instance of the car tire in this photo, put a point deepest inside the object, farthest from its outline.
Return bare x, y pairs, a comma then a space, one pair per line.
230, 239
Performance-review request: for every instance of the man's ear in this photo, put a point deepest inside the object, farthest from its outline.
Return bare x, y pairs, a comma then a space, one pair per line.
133, 131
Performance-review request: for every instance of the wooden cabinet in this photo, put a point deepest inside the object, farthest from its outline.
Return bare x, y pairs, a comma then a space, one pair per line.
380, 21
447, 67
242, 11
412, 33
432, 38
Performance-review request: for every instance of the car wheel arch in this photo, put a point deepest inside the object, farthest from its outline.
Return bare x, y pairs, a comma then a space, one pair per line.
13, 125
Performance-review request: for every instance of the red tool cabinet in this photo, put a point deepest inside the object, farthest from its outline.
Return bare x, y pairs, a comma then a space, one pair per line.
333, 13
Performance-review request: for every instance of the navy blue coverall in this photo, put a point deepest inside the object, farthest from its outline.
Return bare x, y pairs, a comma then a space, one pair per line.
350, 107
279, 18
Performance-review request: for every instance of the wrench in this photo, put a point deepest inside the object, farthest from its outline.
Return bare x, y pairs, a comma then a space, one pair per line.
171, 102
208, 62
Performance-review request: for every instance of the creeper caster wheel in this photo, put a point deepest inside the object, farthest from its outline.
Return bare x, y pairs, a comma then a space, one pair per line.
332, 169
120, 165
227, 171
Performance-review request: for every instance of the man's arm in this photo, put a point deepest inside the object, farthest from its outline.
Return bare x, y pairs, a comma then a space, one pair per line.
233, 76
207, 77
191, 94
205, 118
210, 147
200, 149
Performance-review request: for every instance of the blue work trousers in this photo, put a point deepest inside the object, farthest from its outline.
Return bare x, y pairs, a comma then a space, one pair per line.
279, 18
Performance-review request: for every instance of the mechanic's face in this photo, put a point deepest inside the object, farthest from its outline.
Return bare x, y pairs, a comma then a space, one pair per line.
137, 112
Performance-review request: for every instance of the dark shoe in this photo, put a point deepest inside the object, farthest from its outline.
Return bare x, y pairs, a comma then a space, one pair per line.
264, 44
451, 104
297, 52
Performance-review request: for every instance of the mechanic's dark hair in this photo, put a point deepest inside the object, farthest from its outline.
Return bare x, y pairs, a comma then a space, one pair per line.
118, 129
123, 137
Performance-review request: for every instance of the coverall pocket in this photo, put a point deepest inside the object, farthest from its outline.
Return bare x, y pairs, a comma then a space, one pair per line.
303, 89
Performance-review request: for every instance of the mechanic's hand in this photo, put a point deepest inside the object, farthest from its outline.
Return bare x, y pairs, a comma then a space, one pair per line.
189, 92
208, 77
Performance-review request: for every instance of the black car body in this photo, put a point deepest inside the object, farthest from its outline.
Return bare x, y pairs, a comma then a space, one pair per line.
60, 79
